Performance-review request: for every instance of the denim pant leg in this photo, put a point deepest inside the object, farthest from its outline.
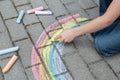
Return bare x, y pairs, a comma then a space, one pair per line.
107, 42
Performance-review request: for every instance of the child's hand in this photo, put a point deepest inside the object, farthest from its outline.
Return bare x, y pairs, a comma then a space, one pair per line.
66, 36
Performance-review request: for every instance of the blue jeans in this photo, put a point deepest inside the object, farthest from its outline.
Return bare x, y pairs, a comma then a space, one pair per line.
107, 41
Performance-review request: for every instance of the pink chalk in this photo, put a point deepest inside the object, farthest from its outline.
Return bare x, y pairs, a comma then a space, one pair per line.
76, 15
65, 19
35, 9
69, 18
33, 62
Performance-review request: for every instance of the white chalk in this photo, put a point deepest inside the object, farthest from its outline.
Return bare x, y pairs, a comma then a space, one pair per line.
21, 14
43, 12
9, 50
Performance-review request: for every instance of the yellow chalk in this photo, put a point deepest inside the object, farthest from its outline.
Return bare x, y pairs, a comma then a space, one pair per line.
10, 64
53, 40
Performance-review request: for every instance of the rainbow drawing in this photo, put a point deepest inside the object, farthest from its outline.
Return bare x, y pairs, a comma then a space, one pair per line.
51, 65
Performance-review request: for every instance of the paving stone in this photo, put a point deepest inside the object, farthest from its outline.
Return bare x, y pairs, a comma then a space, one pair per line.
77, 67
85, 4
74, 8
28, 18
67, 1
16, 72
17, 31
20, 2
42, 40
29, 73
47, 20
93, 13
5, 43
2, 26
114, 62
38, 3
7, 11
86, 49
35, 31
66, 48
25, 52
57, 10
102, 71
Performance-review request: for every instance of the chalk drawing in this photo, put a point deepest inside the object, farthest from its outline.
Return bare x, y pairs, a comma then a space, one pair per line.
52, 66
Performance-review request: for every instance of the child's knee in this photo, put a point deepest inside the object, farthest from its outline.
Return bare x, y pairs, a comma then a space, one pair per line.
103, 48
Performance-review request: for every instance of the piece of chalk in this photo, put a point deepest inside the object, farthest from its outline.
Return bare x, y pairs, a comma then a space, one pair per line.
10, 64
9, 50
43, 12
21, 14
35, 9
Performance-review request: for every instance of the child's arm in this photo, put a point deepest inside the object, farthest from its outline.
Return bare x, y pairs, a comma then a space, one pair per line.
112, 13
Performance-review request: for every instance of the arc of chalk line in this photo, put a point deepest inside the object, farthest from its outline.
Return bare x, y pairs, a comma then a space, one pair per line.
34, 61
47, 50
41, 37
69, 24
55, 24
52, 55
34, 69
47, 58
57, 34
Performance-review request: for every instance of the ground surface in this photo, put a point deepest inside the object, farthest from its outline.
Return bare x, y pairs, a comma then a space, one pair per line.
81, 59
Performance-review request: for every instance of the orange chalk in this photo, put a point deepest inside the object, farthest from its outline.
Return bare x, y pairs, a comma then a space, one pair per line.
10, 64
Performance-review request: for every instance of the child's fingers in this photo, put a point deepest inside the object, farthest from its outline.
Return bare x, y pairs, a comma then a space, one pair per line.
61, 40
57, 37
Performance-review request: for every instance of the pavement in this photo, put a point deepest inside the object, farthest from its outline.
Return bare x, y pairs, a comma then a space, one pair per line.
81, 59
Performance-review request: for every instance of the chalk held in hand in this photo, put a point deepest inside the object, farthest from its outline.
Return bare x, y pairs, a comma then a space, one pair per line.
35, 9
10, 64
21, 14
9, 50
43, 12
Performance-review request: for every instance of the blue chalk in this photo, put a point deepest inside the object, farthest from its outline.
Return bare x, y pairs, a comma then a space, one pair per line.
9, 50
21, 14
